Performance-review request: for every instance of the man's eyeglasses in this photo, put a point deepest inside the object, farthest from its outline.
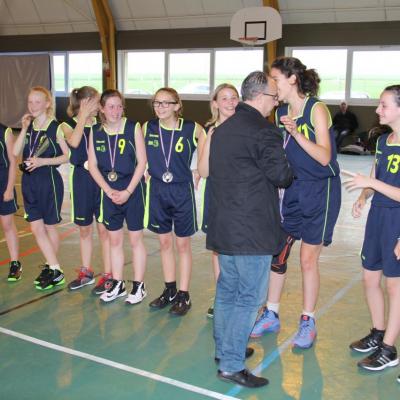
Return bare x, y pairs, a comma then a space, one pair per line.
274, 96
163, 104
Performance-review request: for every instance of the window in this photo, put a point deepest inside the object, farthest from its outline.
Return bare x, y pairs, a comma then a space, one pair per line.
144, 72
232, 66
190, 72
355, 74
59, 72
194, 74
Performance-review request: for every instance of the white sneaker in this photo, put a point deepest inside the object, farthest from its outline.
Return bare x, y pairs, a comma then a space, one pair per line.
137, 294
117, 289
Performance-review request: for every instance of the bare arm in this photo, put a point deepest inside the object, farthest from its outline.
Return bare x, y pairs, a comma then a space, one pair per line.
12, 168
203, 152
20, 142
321, 150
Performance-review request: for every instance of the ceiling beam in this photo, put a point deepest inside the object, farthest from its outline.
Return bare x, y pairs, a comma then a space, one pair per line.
106, 25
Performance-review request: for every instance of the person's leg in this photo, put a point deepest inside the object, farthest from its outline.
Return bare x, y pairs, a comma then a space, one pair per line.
39, 230
184, 248
139, 255
252, 273
375, 297
105, 247
393, 322
117, 253
54, 237
10, 233
86, 243
167, 256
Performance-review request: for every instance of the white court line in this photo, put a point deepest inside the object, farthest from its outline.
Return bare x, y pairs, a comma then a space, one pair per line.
22, 234
123, 367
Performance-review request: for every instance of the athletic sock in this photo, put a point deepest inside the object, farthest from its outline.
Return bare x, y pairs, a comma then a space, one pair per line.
56, 266
310, 314
171, 285
273, 307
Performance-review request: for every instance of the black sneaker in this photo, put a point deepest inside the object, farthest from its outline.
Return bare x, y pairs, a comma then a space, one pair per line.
182, 304
167, 297
369, 342
384, 356
53, 277
43, 273
103, 284
210, 312
15, 271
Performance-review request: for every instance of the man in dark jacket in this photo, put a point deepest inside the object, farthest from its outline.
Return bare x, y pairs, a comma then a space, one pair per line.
247, 165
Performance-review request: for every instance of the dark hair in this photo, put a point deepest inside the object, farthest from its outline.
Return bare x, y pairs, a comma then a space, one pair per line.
254, 84
76, 96
107, 94
395, 90
307, 79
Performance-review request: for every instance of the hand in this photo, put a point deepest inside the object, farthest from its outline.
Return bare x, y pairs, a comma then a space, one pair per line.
8, 195
290, 125
88, 107
196, 178
26, 120
34, 162
358, 207
120, 197
397, 250
358, 182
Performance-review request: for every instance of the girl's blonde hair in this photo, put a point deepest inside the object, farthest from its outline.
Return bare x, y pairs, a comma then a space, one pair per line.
48, 96
174, 94
76, 96
215, 110
107, 94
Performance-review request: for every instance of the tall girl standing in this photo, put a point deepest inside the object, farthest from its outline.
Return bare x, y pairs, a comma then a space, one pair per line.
310, 206
223, 103
117, 161
85, 193
8, 200
380, 255
43, 148
170, 204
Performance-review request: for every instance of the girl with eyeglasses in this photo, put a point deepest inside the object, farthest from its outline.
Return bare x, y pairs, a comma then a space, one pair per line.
170, 201
117, 160
310, 206
222, 105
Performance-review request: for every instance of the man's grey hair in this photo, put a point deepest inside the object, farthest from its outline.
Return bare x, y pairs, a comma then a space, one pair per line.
254, 84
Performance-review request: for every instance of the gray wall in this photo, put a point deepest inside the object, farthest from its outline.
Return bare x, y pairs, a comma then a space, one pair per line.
379, 33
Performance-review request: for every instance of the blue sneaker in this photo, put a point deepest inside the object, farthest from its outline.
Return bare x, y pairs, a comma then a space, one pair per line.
306, 334
267, 322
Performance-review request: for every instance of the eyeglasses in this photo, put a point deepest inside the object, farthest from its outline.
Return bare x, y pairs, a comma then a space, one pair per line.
274, 96
163, 104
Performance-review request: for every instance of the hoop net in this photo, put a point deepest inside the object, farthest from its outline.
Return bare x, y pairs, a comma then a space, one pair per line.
249, 41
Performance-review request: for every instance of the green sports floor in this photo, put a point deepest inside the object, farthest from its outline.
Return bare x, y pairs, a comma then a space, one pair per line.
67, 345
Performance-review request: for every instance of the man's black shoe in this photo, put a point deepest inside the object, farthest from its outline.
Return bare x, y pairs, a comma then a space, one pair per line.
244, 378
249, 353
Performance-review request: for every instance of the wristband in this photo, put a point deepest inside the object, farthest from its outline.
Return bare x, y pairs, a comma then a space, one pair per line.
128, 191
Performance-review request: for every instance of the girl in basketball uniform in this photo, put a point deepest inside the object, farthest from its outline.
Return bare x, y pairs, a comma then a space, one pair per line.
380, 255
117, 160
85, 193
223, 103
310, 206
8, 200
43, 148
170, 202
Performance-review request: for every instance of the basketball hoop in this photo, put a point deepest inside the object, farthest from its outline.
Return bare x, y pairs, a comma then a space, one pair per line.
249, 41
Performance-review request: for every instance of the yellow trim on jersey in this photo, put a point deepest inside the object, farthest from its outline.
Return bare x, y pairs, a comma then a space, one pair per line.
328, 112
60, 132
94, 122
144, 128
71, 191
146, 216
7, 133
43, 129
302, 109
120, 132
179, 128
202, 196
391, 144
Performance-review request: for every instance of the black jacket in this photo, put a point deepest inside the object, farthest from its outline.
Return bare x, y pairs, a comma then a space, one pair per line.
247, 165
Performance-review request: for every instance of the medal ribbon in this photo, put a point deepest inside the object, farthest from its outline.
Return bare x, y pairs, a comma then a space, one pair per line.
112, 156
32, 148
167, 161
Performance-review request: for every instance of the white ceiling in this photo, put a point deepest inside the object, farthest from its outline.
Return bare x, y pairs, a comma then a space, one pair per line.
24, 17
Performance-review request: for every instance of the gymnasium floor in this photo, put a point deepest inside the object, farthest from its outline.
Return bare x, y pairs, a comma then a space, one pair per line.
67, 345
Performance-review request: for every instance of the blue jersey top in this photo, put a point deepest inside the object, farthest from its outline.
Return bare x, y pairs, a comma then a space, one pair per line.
183, 147
4, 132
304, 166
35, 138
125, 152
387, 163
79, 154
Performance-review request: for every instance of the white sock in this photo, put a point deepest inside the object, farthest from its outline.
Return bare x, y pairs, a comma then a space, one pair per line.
310, 314
273, 307
56, 266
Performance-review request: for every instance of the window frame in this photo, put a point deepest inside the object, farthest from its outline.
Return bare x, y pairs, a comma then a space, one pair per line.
349, 69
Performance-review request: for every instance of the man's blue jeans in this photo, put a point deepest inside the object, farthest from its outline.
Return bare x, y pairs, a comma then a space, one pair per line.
241, 290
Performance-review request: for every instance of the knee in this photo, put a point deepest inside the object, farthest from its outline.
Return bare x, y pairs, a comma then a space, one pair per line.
165, 244
116, 240
308, 263
38, 229
7, 224
393, 287
85, 231
103, 234
183, 246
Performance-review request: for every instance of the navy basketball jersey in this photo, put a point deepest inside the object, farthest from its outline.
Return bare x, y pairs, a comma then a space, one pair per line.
304, 166
36, 137
124, 144
183, 146
387, 163
79, 155
4, 132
